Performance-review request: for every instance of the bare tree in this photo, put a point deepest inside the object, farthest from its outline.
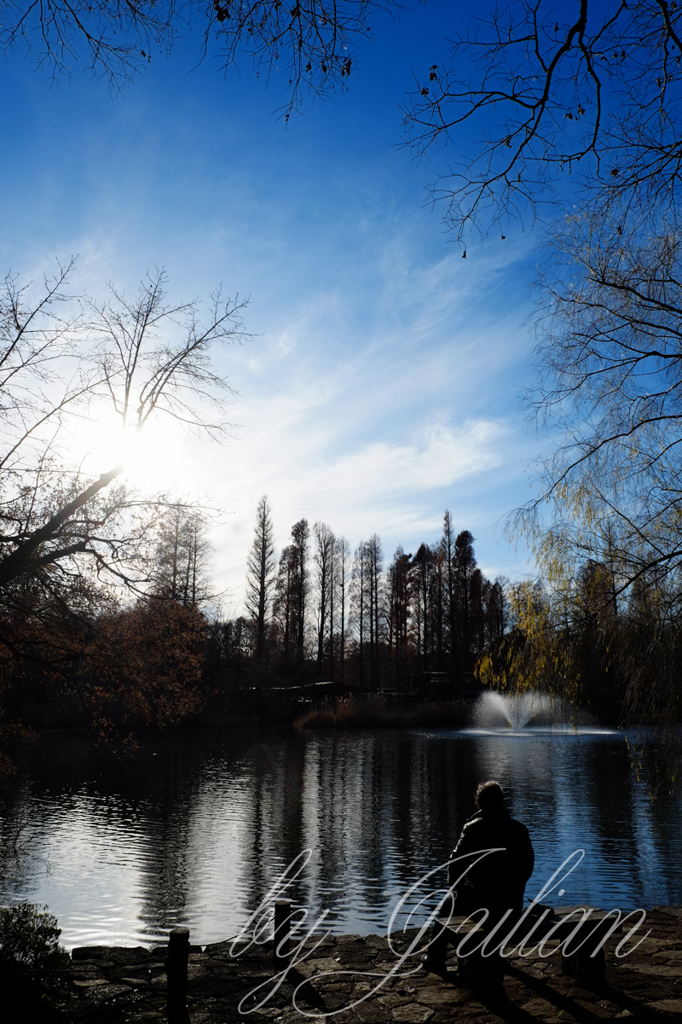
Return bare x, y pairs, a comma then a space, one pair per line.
143, 357
342, 569
292, 590
324, 587
180, 569
358, 606
300, 534
400, 592
448, 546
543, 89
465, 565
260, 575
283, 605
154, 356
368, 608
549, 90
422, 588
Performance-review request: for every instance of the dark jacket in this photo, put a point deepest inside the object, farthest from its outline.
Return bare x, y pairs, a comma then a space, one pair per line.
499, 879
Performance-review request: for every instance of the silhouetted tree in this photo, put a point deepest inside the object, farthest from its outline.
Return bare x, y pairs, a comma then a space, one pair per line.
451, 643
422, 575
400, 611
342, 573
181, 560
260, 575
546, 90
313, 46
375, 608
358, 607
143, 665
283, 602
465, 563
324, 588
139, 357
496, 619
478, 588
300, 583
367, 609
226, 653
439, 575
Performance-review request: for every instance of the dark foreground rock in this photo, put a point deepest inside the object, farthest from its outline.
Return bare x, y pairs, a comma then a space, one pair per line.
361, 980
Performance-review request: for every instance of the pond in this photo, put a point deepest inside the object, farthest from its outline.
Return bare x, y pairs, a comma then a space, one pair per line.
196, 830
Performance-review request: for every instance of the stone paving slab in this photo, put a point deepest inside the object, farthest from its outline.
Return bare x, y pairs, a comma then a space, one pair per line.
351, 977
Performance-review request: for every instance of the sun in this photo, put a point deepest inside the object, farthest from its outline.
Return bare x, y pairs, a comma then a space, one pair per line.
153, 459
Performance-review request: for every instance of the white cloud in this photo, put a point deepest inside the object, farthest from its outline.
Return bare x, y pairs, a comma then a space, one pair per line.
438, 457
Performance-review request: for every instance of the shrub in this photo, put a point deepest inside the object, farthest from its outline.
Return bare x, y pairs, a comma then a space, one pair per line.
32, 963
29, 941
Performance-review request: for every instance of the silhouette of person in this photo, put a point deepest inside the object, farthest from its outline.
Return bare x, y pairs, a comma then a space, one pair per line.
497, 881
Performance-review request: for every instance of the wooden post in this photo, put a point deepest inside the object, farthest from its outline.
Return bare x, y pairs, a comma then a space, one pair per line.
587, 967
282, 932
176, 973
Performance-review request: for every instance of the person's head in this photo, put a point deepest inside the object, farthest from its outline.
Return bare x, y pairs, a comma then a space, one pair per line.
489, 796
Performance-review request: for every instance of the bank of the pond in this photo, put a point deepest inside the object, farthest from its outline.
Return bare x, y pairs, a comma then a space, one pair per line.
358, 979
386, 713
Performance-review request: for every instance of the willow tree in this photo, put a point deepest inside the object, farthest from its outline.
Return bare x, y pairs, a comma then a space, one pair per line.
609, 390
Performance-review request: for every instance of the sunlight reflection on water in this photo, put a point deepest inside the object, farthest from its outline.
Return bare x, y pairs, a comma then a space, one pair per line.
195, 831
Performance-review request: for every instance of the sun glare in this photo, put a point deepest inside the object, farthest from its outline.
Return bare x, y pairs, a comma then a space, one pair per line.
152, 459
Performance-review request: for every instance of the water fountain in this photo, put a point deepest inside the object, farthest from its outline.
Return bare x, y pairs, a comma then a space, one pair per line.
516, 712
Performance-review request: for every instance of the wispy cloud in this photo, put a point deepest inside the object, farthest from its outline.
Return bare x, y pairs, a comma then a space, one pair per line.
438, 457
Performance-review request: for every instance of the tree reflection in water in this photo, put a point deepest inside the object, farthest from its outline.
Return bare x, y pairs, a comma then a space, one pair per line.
196, 830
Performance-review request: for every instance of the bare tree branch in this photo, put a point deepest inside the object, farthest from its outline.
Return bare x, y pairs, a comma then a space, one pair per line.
548, 90
312, 44
141, 357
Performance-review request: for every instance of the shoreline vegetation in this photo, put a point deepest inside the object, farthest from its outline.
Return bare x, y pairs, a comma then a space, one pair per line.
326, 706
377, 712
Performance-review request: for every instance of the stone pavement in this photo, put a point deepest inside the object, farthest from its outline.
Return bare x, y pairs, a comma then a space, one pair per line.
347, 974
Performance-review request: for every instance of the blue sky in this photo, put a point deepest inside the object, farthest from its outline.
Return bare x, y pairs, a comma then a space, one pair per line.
381, 383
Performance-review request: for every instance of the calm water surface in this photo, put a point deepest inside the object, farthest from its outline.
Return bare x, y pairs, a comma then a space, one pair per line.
195, 831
